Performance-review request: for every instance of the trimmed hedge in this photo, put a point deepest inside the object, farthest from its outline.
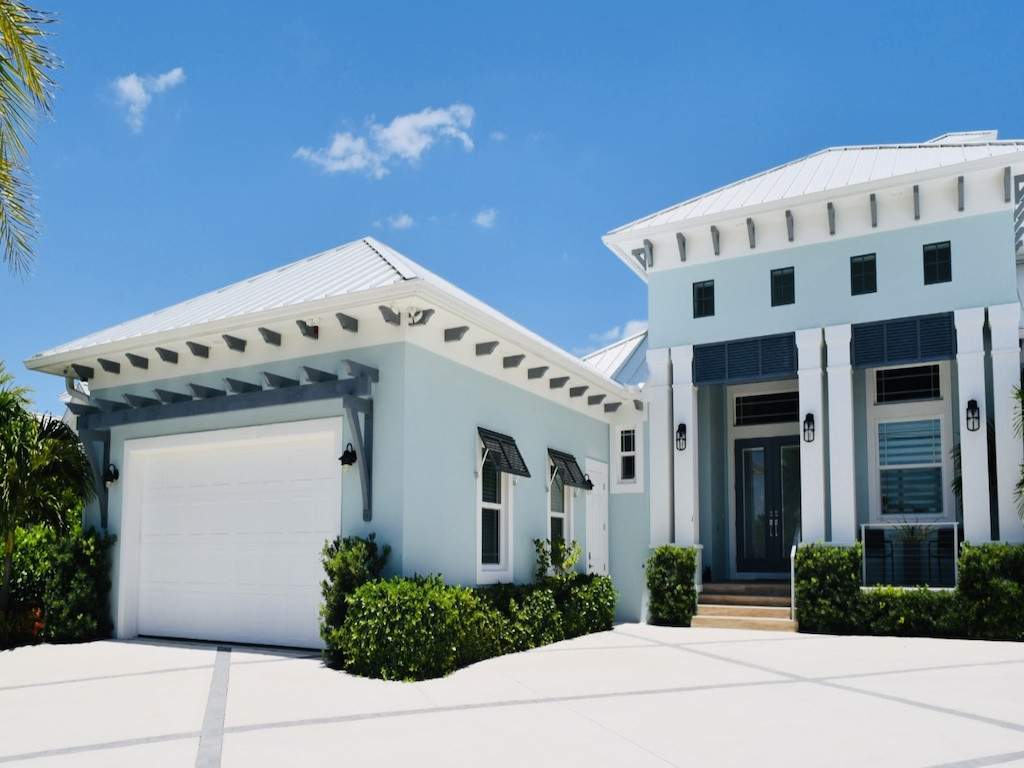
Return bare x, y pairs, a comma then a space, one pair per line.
418, 628
348, 563
673, 597
987, 604
60, 586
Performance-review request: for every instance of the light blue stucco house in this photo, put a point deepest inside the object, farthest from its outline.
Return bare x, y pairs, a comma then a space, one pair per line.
822, 335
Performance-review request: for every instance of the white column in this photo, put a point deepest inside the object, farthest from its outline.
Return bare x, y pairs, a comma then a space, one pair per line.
658, 394
812, 455
1004, 323
841, 470
970, 370
687, 466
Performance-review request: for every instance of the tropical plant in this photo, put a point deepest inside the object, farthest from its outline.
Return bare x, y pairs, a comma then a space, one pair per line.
26, 91
45, 475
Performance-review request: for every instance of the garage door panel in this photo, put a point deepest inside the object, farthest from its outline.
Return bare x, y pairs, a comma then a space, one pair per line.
231, 534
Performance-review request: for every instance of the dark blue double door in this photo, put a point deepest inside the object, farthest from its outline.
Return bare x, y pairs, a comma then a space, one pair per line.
767, 502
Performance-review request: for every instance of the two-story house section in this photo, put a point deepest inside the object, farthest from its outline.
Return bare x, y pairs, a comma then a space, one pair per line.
834, 345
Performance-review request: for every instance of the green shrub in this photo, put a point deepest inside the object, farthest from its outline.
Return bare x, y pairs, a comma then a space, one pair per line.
828, 594
673, 598
413, 629
348, 564
533, 622
588, 605
991, 589
60, 586
918, 612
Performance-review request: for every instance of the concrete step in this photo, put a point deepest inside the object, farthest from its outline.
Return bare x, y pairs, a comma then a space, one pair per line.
748, 611
744, 622
706, 598
774, 588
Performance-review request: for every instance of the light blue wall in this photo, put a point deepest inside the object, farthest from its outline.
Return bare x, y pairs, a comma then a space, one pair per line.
629, 543
984, 274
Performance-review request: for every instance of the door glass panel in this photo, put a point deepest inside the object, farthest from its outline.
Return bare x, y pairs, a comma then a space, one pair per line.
789, 486
755, 521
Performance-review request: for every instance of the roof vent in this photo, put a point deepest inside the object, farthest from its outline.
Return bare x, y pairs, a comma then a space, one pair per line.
965, 137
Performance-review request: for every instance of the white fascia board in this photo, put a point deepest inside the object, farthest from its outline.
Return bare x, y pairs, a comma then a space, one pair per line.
618, 240
56, 363
625, 257
524, 339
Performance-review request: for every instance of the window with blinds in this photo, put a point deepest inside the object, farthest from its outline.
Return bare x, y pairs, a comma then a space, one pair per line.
910, 467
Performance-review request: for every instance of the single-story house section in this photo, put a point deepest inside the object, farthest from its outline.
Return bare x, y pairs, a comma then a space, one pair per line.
351, 392
832, 354
833, 349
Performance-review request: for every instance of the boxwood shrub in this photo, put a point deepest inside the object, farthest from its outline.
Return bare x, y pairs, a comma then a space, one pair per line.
988, 602
418, 628
60, 587
672, 595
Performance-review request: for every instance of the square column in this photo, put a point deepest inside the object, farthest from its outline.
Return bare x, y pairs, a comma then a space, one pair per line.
970, 374
841, 470
812, 455
658, 393
687, 467
1004, 324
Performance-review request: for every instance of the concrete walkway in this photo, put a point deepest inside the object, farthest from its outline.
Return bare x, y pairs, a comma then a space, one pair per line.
636, 696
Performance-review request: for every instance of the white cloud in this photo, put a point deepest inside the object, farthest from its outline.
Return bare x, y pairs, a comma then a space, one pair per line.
135, 92
498, 135
406, 137
401, 221
612, 335
485, 219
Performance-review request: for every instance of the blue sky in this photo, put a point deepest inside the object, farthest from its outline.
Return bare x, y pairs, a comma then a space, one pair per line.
191, 143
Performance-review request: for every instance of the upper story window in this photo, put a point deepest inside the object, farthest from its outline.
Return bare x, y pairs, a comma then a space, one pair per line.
863, 275
903, 385
626, 456
783, 288
938, 263
704, 298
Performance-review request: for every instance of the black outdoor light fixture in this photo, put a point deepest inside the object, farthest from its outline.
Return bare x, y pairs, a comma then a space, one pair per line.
588, 484
681, 437
110, 475
973, 416
348, 456
809, 428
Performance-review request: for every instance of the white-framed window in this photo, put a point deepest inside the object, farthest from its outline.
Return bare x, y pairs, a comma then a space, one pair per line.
909, 441
627, 452
559, 507
494, 522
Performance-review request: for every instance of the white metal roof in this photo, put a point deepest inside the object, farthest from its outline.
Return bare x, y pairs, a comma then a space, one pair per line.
625, 360
346, 269
831, 169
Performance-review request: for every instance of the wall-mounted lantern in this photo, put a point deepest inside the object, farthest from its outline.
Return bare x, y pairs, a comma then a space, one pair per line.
110, 475
681, 437
588, 484
973, 416
809, 428
348, 456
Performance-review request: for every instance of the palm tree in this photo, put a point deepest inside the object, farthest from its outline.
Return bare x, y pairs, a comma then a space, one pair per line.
26, 91
44, 473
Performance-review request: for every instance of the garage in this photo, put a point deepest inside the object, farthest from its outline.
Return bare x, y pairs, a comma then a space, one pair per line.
222, 532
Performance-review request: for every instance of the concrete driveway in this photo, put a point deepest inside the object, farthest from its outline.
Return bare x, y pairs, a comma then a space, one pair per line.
636, 696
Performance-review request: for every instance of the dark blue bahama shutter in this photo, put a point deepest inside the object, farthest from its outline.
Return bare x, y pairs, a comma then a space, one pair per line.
503, 451
568, 468
905, 340
756, 359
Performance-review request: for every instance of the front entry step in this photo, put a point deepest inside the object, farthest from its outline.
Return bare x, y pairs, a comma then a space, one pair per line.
745, 605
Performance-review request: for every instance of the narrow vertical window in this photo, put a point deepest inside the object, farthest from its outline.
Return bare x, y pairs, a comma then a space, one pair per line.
783, 287
558, 528
627, 455
938, 263
863, 275
704, 298
491, 513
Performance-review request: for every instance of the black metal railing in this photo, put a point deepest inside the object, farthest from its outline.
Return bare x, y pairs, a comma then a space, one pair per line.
910, 554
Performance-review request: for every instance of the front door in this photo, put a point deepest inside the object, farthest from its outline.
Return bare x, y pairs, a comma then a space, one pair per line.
767, 502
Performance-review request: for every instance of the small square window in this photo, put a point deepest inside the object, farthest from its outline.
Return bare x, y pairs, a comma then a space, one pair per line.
938, 263
863, 275
783, 290
627, 441
704, 299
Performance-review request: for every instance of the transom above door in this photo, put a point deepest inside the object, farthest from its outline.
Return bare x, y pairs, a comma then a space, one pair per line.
767, 472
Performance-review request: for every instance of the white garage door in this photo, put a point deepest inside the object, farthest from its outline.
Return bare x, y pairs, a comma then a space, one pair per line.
231, 526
